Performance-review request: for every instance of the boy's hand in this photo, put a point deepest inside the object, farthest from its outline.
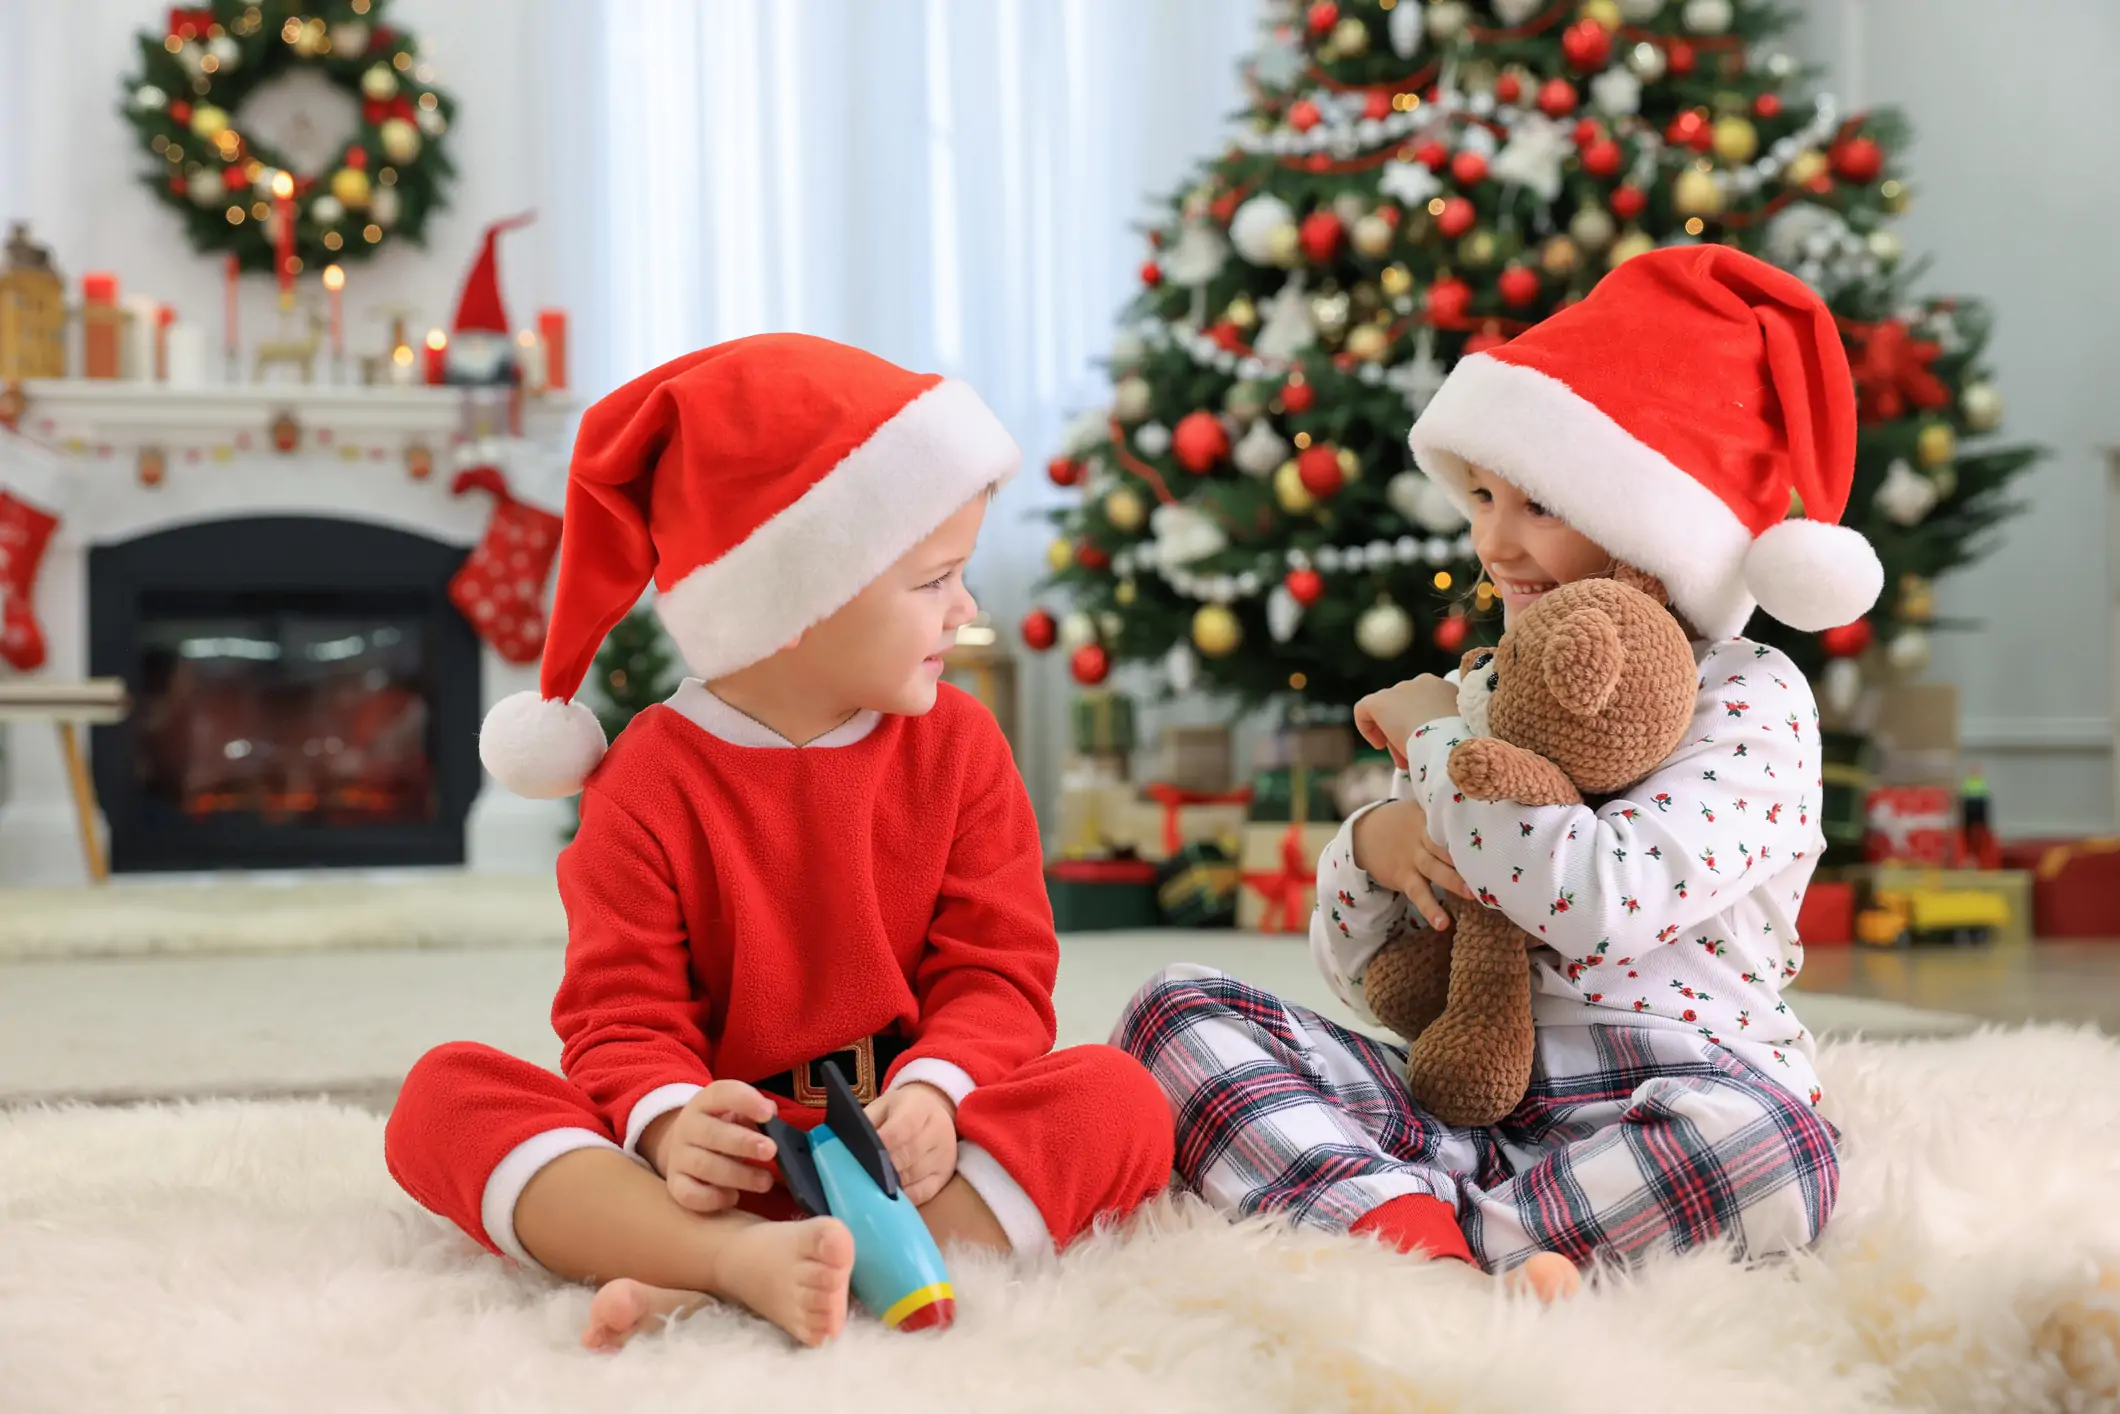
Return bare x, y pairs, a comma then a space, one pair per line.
1387, 718
710, 1152
918, 1124
1391, 846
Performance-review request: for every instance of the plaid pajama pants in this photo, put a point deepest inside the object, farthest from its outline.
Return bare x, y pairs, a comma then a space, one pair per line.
1630, 1141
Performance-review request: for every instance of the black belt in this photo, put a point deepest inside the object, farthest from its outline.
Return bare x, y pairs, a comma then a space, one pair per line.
862, 1063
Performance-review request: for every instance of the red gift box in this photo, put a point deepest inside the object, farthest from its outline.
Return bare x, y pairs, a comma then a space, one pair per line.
1911, 824
1827, 917
2075, 885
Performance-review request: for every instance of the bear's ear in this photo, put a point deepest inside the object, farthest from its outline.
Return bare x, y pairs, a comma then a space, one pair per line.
1582, 660
1646, 582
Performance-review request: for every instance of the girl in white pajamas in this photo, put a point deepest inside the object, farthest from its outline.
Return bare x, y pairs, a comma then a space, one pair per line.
1675, 421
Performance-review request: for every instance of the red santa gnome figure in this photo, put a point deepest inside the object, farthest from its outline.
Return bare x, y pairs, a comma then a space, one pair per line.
481, 351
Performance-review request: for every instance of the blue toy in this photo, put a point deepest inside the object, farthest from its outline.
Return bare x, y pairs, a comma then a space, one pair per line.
841, 1169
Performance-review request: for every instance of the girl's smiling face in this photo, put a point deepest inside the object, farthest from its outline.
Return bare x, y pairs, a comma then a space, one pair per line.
1525, 548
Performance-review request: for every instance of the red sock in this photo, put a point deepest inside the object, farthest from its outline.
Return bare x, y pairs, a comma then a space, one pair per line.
1416, 1222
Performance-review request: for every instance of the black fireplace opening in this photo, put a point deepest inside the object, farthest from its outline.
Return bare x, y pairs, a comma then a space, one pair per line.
304, 695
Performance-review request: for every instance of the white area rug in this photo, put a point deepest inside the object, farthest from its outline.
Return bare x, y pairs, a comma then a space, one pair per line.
236, 1256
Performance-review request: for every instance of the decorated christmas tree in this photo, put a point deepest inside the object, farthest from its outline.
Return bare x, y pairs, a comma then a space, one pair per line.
1419, 181
634, 669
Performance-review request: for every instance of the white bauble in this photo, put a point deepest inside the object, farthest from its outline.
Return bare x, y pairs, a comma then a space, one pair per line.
205, 186
349, 40
1908, 650
1181, 667
1906, 496
1260, 450
384, 206
1647, 61
1982, 405
1592, 228
1404, 25
1153, 438
1447, 20
1184, 535
1076, 629
1284, 614
1132, 398
150, 99
326, 210
1128, 349
1252, 230
1384, 630
1515, 12
1617, 92
1842, 685
226, 52
1707, 16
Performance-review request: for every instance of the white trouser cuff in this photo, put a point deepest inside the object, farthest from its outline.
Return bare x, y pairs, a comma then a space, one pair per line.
1019, 1217
505, 1185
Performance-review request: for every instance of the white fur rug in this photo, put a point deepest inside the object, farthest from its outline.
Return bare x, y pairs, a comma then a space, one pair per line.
236, 1256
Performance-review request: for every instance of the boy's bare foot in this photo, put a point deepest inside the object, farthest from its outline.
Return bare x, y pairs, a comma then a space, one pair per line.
1548, 1276
793, 1274
624, 1307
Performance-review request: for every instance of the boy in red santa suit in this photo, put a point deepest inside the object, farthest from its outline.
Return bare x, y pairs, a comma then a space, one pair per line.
814, 850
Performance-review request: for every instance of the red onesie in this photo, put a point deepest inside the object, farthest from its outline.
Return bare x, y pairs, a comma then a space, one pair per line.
737, 906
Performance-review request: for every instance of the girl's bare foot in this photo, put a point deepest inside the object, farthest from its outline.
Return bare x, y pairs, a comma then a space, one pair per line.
624, 1307
1548, 1276
793, 1274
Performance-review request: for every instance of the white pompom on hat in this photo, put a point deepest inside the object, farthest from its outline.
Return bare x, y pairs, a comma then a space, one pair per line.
1680, 416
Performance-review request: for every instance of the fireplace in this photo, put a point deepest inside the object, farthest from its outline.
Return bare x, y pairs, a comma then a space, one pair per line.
305, 695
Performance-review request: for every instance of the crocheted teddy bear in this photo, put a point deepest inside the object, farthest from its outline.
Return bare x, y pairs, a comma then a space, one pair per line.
1587, 693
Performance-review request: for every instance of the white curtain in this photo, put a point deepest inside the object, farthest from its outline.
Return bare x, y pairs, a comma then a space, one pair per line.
954, 184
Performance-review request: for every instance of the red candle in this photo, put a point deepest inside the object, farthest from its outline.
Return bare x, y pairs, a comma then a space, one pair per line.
335, 282
99, 288
164, 317
283, 234
232, 270
101, 325
552, 328
437, 357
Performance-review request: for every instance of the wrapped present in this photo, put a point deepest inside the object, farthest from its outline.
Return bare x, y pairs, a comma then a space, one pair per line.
1292, 793
1911, 824
1197, 758
1279, 876
1826, 917
1168, 819
1322, 749
1099, 820
1102, 722
1197, 887
1097, 895
2075, 885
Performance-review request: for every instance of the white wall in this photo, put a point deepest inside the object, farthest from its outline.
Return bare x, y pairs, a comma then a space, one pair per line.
2017, 198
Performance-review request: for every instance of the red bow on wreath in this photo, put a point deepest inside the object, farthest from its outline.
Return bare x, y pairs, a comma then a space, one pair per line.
1891, 369
1283, 891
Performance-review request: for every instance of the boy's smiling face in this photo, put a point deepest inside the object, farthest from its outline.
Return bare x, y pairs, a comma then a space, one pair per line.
883, 650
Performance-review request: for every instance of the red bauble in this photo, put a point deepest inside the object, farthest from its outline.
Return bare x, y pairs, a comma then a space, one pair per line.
1859, 160
1847, 641
1457, 217
235, 178
357, 158
180, 113
1448, 299
1323, 16
1588, 46
1091, 664
1602, 158
1587, 131
176, 184
1629, 202
1377, 104
1151, 274
1432, 155
1320, 236
1508, 88
1556, 98
1199, 441
1039, 631
1065, 471
1305, 586
1297, 397
1224, 207
1227, 335
1091, 558
1468, 168
1680, 58
1688, 127
1450, 633
1519, 286
1318, 162
1767, 105
1303, 115
1490, 336
1319, 467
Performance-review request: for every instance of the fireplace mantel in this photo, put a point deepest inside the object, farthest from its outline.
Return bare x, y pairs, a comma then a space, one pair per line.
81, 415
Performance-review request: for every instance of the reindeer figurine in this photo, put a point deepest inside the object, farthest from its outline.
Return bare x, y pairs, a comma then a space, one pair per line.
299, 352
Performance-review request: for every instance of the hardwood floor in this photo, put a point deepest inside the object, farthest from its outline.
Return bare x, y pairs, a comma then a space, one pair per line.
2074, 982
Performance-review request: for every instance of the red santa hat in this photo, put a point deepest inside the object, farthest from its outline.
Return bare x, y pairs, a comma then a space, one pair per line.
1679, 416
479, 309
761, 484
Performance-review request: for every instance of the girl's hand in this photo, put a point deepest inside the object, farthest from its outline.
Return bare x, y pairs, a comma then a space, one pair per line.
1391, 845
1388, 718
710, 1152
918, 1125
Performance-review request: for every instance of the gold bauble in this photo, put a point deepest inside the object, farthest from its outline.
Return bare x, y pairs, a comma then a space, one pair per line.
208, 121
1283, 245
1396, 280
1216, 632
1696, 193
350, 186
1123, 509
1479, 250
379, 83
1123, 593
1350, 37
1559, 256
1329, 311
1289, 490
1059, 555
1350, 463
1936, 445
1736, 140
1805, 167
1945, 480
1982, 405
1241, 312
1373, 236
1605, 12
1895, 195
1917, 598
1368, 343
401, 140
1633, 243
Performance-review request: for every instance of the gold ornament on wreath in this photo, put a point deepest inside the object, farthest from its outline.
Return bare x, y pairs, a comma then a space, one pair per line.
214, 150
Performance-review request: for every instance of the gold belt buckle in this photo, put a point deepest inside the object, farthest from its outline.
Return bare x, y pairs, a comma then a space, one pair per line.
809, 1088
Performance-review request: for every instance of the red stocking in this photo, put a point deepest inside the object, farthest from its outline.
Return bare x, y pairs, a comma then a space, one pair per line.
501, 587
24, 532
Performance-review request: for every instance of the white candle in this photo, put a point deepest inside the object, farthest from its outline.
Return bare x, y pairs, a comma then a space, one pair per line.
186, 352
141, 328
530, 361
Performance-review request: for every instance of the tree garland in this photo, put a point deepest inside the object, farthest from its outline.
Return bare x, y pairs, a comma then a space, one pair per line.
193, 79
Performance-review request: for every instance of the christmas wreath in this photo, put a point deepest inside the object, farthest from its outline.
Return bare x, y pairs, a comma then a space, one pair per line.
349, 191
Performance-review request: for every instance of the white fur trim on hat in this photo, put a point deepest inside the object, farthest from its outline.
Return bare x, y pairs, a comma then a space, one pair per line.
883, 498
540, 747
1813, 576
1563, 451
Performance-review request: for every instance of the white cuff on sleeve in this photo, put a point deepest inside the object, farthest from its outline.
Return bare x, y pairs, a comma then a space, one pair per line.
653, 1106
1020, 1220
505, 1185
947, 1076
